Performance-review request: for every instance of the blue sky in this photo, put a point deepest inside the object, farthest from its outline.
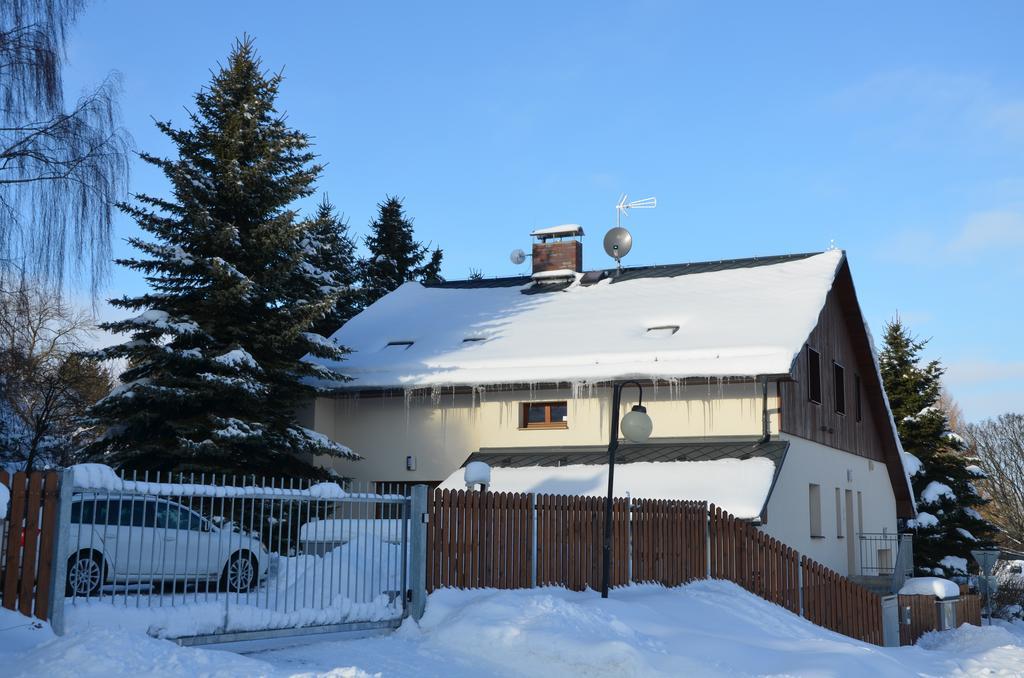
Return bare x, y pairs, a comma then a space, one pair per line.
895, 130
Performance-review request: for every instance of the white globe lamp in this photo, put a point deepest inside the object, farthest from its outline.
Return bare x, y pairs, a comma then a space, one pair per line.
637, 425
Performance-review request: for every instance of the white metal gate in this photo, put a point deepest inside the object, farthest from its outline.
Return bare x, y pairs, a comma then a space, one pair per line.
224, 559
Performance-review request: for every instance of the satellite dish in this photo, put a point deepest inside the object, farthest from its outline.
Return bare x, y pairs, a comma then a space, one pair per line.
617, 242
517, 257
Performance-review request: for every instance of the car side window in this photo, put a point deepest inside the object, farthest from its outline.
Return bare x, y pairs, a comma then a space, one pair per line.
96, 511
133, 513
147, 516
167, 515
191, 519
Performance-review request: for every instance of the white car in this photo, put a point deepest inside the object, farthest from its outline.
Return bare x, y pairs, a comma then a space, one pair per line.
123, 539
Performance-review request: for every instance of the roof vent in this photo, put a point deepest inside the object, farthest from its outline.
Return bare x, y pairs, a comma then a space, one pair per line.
404, 345
661, 331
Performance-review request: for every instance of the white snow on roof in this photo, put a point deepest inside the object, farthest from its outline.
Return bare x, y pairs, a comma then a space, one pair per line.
737, 322
555, 274
561, 229
738, 486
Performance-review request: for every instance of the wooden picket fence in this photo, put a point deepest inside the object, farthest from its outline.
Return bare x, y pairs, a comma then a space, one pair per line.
669, 543
968, 609
506, 540
923, 617
759, 563
26, 552
924, 614
836, 603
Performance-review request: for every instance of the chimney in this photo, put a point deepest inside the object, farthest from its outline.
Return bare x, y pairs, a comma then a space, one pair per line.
558, 249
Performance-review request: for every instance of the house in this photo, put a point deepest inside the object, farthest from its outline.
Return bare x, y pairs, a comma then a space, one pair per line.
759, 376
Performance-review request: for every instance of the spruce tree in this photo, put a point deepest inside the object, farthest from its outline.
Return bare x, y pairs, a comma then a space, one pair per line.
948, 524
215, 370
395, 256
332, 252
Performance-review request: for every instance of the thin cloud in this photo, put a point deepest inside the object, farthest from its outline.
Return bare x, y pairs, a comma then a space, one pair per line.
921, 102
985, 230
983, 371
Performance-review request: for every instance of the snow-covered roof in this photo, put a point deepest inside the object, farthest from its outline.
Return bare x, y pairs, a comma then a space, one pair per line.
739, 320
930, 586
740, 486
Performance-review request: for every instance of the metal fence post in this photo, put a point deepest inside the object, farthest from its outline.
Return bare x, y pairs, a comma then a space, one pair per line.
59, 571
418, 518
533, 557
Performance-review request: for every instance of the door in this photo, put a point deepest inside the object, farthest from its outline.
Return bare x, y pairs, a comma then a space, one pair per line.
851, 537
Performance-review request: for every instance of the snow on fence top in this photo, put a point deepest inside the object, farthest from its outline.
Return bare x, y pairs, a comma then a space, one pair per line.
100, 477
740, 486
735, 322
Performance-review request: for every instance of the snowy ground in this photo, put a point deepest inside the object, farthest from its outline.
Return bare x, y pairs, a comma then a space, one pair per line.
704, 629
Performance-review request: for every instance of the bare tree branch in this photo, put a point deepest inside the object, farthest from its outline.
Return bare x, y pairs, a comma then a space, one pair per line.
61, 171
999, 445
45, 383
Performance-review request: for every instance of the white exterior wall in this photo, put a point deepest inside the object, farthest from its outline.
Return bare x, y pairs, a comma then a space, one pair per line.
789, 507
441, 431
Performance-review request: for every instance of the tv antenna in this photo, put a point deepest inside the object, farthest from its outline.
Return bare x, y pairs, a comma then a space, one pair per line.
618, 241
623, 206
517, 256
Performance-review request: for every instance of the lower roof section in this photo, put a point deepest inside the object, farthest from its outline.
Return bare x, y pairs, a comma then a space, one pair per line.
737, 476
515, 457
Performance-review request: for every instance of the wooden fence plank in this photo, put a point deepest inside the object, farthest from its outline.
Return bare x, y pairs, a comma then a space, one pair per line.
51, 501
15, 516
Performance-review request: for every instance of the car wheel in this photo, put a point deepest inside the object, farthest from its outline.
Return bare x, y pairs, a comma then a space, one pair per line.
240, 573
85, 574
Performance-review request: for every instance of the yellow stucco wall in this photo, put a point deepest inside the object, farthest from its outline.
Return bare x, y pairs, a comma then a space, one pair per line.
440, 431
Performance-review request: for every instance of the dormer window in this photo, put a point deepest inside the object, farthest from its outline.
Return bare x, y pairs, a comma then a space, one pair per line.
399, 345
661, 331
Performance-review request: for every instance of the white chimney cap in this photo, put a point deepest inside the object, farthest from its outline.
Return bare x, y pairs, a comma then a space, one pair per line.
562, 231
477, 473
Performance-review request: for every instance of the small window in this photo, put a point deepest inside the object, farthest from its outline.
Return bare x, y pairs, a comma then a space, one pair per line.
545, 415
814, 496
813, 376
860, 512
399, 345
839, 387
839, 514
856, 397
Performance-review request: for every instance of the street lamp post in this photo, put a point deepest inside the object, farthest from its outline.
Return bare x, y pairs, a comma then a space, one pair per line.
636, 427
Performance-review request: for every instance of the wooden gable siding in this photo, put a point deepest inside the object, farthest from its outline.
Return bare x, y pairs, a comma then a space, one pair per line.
841, 336
820, 422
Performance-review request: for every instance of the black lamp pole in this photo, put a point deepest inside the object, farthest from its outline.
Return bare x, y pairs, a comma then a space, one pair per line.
613, 445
